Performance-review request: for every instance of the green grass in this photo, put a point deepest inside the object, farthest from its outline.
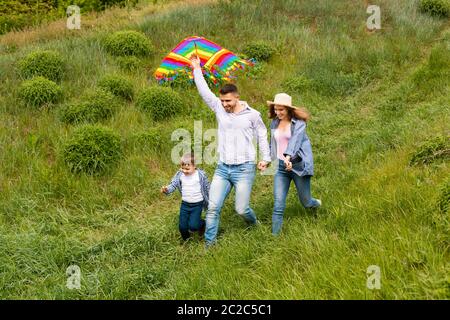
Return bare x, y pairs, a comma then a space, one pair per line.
374, 99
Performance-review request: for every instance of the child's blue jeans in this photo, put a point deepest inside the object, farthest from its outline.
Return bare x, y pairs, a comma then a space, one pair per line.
190, 218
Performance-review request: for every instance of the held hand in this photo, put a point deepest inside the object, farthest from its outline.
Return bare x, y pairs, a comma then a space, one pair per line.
262, 165
164, 189
195, 61
288, 164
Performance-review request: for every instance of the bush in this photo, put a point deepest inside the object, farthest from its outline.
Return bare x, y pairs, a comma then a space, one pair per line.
129, 63
45, 63
259, 51
151, 140
160, 102
256, 71
432, 150
95, 105
117, 85
179, 79
297, 84
39, 91
444, 199
128, 43
95, 5
439, 8
92, 150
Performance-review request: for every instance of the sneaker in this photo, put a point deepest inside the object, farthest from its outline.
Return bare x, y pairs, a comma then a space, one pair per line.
320, 202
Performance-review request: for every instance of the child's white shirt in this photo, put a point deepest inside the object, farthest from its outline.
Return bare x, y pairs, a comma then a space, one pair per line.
191, 189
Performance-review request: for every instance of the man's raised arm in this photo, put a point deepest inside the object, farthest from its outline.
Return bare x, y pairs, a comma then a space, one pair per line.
207, 95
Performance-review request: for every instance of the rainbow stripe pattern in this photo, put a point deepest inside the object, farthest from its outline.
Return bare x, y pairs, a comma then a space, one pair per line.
217, 63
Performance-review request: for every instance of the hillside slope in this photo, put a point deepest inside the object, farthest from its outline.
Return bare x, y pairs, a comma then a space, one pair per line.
375, 98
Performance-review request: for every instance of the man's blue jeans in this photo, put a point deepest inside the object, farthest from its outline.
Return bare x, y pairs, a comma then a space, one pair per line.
282, 182
241, 177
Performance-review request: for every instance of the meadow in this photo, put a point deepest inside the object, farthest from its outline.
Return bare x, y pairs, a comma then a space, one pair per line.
376, 99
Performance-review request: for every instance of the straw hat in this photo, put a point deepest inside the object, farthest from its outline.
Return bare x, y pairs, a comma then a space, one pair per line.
282, 99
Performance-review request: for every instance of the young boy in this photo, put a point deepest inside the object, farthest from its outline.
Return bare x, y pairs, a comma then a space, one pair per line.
193, 185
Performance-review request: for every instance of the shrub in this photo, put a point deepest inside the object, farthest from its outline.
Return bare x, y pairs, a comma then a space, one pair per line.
256, 71
259, 50
92, 150
297, 84
179, 79
128, 43
151, 140
160, 102
444, 199
39, 91
95, 105
117, 85
129, 63
439, 8
46, 63
431, 150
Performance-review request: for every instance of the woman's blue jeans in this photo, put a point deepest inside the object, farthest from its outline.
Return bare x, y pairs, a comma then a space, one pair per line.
282, 182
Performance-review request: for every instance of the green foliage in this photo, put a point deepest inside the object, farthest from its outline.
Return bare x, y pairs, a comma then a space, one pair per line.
328, 79
15, 15
260, 51
39, 91
151, 140
95, 5
438, 67
297, 84
123, 233
256, 71
46, 63
95, 105
117, 85
432, 150
92, 149
129, 63
440, 8
161, 103
179, 80
444, 199
126, 43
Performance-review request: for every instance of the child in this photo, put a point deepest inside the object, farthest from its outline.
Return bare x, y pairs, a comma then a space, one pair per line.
193, 185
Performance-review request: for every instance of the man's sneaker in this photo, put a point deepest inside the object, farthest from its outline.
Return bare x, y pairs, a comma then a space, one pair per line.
320, 202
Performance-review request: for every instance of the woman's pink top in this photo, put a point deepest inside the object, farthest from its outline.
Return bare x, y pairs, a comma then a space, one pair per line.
282, 139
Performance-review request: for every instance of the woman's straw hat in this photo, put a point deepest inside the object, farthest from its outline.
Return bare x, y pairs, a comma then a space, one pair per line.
282, 99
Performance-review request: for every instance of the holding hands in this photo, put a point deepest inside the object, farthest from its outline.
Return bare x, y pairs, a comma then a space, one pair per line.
262, 165
288, 163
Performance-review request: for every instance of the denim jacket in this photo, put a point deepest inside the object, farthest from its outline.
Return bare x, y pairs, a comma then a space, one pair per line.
204, 185
299, 147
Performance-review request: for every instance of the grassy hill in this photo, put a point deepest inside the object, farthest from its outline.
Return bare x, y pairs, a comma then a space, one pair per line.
375, 99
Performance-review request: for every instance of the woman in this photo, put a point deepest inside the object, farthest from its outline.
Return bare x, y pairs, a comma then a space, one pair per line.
291, 146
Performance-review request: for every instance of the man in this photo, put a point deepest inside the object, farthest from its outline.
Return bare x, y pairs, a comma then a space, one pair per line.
237, 126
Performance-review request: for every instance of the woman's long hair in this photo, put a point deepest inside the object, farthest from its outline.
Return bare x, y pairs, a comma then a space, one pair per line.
298, 113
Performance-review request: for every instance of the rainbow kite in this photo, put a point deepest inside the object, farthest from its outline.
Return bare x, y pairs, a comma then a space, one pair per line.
218, 63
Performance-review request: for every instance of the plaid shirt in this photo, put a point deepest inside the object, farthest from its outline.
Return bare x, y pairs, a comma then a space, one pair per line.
204, 185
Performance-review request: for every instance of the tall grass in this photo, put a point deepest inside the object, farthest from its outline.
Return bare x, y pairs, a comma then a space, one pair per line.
372, 105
